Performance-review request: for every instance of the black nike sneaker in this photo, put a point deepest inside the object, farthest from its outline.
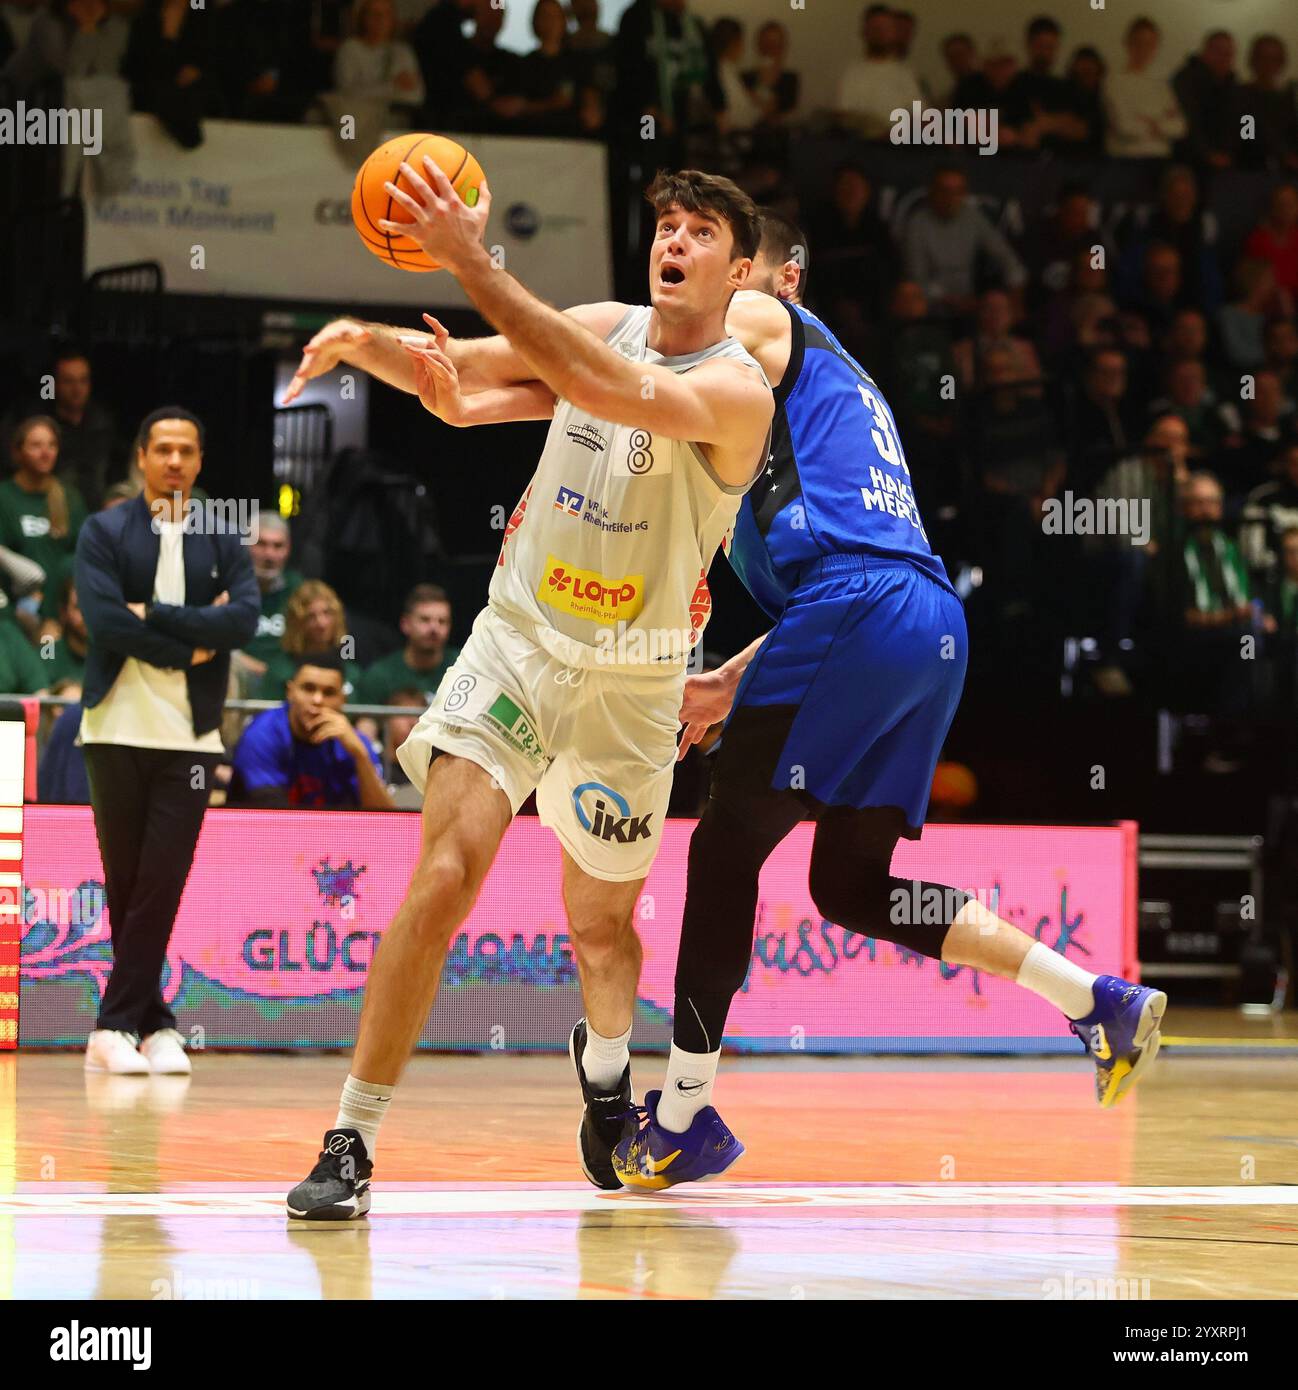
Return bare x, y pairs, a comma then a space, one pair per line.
338, 1188
607, 1119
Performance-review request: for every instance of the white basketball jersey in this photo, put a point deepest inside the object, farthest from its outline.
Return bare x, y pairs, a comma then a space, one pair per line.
604, 561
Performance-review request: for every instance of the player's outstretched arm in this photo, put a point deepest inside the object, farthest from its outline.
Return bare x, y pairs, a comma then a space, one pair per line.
719, 404
438, 384
373, 347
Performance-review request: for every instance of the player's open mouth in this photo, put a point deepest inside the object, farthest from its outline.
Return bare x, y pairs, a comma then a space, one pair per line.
671, 275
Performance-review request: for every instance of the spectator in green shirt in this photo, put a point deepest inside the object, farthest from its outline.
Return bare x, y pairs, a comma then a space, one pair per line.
314, 621
270, 554
421, 663
39, 515
64, 656
21, 670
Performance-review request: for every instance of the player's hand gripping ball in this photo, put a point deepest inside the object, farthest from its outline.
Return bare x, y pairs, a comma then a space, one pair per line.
373, 204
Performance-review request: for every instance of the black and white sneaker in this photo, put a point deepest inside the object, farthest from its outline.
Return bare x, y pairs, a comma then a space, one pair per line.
606, 1121
338, 1188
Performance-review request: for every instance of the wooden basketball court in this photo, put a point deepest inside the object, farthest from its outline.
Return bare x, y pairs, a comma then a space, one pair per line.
866, 1177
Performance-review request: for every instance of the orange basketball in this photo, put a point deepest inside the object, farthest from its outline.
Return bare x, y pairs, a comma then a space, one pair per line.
372, 202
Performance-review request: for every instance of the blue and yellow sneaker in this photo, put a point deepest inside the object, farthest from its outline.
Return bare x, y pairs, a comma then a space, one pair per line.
655, 1158
1121, 1034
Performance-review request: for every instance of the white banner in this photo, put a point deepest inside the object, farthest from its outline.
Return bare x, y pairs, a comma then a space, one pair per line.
266, 211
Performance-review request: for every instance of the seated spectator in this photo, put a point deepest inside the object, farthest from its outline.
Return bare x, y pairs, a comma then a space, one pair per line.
314, 621
1149, 482
961, 58
305, 753
89, 445
876, 84
1181, 221
1057, 240
1018, 442
489, 95
1275, 238
1186, 339
945, 239
1280, 344
1249, 457
995, 87
1205, 85
396, 729
376, 69
912, 360
1270, 511
1189, 397
1269, 103
548, 75
39, 515
64, 656
260, 53
16, 20
425, 658
1215, 607
21, 670
1085, 96
1144, 118
1160, 291
735, 106
169, 66
61, 772
1081, 318
440, 48
1241, 322
82, 43
775, 88
1103, 428
855, 254
994, 332
277, 583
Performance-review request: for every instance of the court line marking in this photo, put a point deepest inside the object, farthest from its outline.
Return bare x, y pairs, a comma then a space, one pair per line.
713, 1197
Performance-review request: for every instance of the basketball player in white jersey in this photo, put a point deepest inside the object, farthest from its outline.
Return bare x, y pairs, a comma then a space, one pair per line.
571, 680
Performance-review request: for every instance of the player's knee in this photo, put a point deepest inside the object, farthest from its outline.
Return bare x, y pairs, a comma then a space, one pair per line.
442, 889
599, 937
853, 895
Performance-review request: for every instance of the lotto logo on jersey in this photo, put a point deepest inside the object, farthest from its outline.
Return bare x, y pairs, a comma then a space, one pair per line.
514, 523
700, 607
638, 456
587, 594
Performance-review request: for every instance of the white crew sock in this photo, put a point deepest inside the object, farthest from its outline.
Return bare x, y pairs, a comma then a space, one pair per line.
362, 1107
1055, 977
605, 1059
687, 1087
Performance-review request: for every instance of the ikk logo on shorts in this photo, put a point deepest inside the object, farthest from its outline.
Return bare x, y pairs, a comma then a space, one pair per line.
605, 824
590, 595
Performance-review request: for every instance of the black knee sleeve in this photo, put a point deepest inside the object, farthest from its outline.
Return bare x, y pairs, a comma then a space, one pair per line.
727, 851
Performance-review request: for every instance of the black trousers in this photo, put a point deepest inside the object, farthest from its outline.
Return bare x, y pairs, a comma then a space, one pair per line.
148, 805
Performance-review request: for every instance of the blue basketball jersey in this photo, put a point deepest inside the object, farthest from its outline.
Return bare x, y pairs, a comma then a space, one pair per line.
836, 481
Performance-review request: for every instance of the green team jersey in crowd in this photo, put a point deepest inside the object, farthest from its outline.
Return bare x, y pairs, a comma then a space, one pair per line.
25, 527
21, 669
391, 673
270, 626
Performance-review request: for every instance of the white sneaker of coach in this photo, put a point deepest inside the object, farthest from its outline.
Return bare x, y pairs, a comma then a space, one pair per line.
165, 1051
111, 1051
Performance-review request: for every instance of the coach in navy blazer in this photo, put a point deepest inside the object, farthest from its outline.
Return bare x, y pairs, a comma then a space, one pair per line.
117, 556
168, 591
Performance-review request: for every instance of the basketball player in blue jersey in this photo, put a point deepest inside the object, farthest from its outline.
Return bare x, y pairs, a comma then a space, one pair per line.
837, 715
